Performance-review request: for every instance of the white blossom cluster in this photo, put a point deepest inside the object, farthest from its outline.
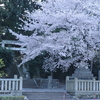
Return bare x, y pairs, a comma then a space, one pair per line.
64, 28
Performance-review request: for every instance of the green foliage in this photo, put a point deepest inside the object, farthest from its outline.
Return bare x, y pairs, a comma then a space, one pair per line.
35, 67
12, 97
1, 63
2, 73
7, 59
91, 96
7, 56
11, 12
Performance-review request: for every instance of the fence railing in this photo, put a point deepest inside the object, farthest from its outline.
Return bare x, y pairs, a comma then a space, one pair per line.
11, 86
77, 86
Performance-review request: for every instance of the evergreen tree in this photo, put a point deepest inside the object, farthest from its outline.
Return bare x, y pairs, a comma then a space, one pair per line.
10, 13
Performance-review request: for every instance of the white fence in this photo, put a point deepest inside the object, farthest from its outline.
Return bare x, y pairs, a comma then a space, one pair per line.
82, 87
11, 86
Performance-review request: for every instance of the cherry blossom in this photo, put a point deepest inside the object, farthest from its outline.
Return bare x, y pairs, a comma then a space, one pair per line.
68, 28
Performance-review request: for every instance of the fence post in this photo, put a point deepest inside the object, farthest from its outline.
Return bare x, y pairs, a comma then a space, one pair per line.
21, 83
67, 79
49, 82
14, 83
15, 76
2, 85
76, 84
99, 75
94, 88
94, 84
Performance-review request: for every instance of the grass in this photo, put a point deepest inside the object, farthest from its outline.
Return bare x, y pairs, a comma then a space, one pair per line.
12, 97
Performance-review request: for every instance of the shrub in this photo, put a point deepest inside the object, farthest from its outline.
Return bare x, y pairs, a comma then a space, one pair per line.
12, 97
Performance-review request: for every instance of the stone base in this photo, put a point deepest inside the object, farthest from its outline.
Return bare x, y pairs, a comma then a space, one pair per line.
82, 73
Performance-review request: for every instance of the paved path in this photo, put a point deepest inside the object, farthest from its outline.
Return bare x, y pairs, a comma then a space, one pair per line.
89, 99
44, 94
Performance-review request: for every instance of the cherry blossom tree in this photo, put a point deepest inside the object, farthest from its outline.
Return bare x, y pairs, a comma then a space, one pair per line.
69, 30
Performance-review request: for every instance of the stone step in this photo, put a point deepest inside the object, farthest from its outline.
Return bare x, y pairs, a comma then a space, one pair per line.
83, 74
39, 83
82, 71
74, 75
47, 95
44, 95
